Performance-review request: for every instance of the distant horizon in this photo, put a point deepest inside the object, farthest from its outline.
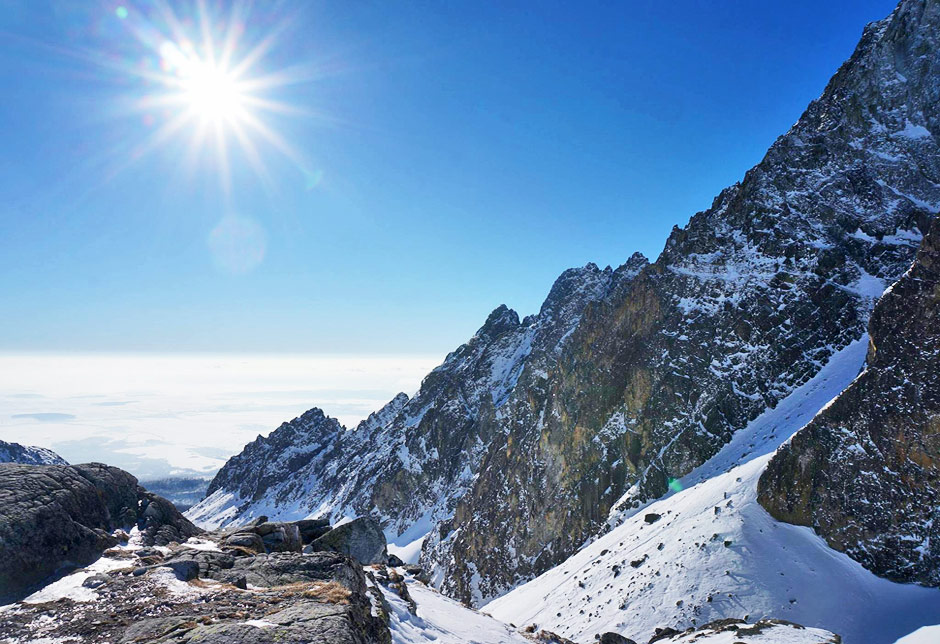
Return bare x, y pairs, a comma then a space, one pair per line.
184, 415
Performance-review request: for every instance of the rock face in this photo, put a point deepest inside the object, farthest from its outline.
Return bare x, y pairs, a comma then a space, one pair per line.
27, 455
865, 473
520, 444
54, 517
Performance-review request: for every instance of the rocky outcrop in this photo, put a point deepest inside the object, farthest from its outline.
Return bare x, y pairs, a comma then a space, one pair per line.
865, 473
208, 596
56, 517
518, 447
28, 455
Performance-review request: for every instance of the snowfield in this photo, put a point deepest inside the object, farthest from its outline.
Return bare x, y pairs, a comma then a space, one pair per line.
925, 635
710, 552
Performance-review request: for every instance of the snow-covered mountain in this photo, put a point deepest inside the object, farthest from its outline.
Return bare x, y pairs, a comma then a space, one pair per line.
535, 434
409, 462
28, 455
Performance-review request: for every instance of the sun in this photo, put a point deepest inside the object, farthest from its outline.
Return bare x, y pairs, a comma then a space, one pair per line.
205, 84
211, 92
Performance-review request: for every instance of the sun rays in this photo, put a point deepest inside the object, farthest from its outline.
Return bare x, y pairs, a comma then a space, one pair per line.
204, 82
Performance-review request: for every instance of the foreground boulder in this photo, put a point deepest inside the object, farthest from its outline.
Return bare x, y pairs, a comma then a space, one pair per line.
55, 517
361, 539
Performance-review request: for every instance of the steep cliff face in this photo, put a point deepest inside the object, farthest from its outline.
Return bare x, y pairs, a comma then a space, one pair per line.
865, 474
518, 447
408, 463
744, 304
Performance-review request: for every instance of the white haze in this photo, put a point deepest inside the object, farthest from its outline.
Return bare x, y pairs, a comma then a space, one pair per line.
159, 415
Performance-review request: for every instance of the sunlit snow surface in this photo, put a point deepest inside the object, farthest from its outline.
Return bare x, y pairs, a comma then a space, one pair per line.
444, 621
925, 635
716, 553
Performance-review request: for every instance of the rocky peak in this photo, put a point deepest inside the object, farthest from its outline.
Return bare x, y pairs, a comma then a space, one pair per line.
745, 303
259, 464
501, 320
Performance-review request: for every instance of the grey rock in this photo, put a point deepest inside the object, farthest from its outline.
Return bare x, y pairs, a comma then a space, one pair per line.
95, 581
184, 569
615, 638
208, 564
418, 573
160, 522
281, 537
283, 568
311, 529
54, 518
362, 539
865, 473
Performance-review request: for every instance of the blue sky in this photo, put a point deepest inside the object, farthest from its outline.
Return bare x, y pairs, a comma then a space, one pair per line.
448, 157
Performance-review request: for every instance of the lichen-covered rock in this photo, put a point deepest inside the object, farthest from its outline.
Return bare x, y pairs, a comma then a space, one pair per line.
55, 517
865, 473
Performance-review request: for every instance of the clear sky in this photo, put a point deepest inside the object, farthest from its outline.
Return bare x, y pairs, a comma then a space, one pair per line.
435, 159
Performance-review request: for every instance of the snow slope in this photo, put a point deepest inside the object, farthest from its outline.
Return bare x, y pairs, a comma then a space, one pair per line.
925, 635
715, 553
444, 621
